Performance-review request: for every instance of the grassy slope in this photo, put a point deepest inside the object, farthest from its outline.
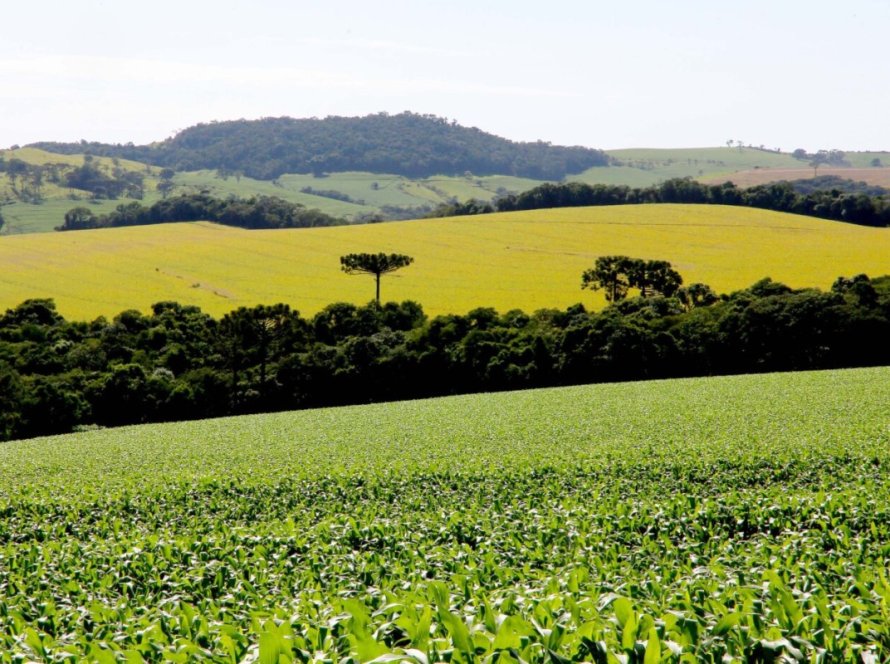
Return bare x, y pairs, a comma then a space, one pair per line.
646, 166
525, 260
372, 191
727, 513
369, 191
748, 166
874, 176
564, 427
30, 218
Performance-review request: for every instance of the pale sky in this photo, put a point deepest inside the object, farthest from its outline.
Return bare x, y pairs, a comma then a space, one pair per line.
633, 73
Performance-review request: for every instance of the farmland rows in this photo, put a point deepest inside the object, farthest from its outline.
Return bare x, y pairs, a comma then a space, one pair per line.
688, 520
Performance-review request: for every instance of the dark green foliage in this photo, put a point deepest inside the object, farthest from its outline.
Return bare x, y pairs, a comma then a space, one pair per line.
473, 206
254, 213
178, 363
93, 178
406, 144
616, 274
375, 265
839, 184
851, 204
332, 194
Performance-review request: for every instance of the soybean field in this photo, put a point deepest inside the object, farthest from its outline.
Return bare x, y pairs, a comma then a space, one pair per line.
721, 519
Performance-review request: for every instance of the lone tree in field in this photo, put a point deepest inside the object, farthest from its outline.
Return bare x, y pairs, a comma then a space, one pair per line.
617, 274
376, 264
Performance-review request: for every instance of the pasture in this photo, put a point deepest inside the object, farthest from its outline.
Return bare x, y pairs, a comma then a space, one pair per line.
527, 260
367, 193
718, 519
873, 176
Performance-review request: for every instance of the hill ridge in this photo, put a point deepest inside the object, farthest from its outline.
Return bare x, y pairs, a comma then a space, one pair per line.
409, 144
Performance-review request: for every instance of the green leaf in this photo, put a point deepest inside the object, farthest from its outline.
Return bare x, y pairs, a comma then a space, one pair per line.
653, 648
271, 646
726, 623
624, 611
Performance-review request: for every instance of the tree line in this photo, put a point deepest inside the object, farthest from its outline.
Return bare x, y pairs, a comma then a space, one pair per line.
409, 144
857, 207
179, 363
254, 213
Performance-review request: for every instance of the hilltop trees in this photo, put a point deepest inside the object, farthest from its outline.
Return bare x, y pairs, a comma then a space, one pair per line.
374, 264
617, 274
409, 144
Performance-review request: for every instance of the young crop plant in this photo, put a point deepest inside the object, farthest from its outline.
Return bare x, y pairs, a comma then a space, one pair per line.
737, 519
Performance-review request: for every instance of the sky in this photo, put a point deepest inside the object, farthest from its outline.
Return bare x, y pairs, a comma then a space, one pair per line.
604, 74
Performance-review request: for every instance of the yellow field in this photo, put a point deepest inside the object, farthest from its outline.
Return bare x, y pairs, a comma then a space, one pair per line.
526, 260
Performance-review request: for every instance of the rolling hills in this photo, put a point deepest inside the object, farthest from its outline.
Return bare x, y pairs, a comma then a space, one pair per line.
37, 201
526, 260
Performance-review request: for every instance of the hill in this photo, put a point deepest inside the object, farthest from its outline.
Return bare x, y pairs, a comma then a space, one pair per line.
746, 166
738, 518
406, 144
34, 195
526, 260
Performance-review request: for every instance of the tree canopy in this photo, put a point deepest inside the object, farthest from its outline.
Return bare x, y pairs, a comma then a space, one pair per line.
408, 144
617, 274
850, 202
179, 363
374, 264
255, 212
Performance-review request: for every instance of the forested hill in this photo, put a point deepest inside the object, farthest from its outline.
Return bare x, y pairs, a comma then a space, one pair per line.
406, 144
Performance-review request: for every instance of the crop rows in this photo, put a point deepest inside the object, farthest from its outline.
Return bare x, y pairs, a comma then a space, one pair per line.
736, 519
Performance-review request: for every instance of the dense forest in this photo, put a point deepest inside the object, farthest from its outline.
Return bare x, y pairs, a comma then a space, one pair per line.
406, 144
850, 204
179, 363
255, 212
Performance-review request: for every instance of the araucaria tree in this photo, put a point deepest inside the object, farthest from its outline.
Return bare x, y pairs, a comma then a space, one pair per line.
617, 274
374, 264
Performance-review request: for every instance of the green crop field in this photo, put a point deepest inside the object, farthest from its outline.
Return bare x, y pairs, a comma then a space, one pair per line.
719, 519
645, 167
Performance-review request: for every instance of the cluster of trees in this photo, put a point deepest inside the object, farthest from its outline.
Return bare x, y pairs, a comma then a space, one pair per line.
839, 184
822, 157
616, 275
26, 180
836, 204
91, 177
408, 144
179, 363
255, 212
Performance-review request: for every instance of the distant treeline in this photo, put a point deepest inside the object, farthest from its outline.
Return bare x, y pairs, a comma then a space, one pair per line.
179, 363
835, 203
408, 144
256, 212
